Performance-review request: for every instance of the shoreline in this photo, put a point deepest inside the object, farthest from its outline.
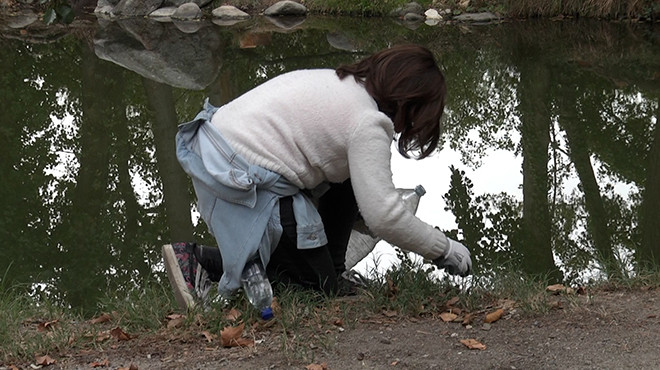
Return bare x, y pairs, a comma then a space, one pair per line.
647, 12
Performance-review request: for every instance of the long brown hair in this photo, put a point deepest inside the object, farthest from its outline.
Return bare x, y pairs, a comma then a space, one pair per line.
409, 88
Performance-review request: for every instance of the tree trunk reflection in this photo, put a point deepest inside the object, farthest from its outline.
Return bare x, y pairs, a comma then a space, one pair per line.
176, 202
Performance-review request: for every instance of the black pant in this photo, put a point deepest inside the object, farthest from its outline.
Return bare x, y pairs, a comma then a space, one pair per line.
316, 268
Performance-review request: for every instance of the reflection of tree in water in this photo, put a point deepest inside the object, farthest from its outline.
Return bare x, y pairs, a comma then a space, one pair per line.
73, 219
600, 118
95, 223
490, 224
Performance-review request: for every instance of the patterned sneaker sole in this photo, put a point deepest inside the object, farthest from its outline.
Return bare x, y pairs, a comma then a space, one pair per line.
182, 294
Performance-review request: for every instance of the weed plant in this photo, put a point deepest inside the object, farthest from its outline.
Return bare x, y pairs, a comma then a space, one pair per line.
29, 326
610, 9
142, 308
305, 320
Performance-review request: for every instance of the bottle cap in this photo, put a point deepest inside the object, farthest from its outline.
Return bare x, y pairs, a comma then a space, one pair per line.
419, 189
267, 313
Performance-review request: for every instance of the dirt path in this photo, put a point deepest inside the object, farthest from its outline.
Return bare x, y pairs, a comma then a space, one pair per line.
609, 330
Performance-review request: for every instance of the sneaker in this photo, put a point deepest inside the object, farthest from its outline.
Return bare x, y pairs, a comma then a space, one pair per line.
351, 282
190, 282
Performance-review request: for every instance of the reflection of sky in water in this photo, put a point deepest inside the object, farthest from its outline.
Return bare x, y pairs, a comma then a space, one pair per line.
496, 172
500, 171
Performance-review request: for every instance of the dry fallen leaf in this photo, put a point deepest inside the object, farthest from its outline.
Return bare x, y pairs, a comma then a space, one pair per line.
555, 288
559, 288
473, 344
339, 322
233, 314
467, 319
102, 336
390, 313
119, 334
131, 367
322, 366
448, 316
392, 289
44, 360
452, 301
494, 316
176, 316
506, 304
101, 319
104, 363
47, 325
175, 322
209, 337
231, 337
556, 305
275, 305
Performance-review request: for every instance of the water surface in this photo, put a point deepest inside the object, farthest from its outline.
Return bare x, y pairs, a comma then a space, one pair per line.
550, 155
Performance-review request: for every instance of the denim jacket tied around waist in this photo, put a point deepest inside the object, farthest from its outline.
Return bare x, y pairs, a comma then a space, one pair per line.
239, 201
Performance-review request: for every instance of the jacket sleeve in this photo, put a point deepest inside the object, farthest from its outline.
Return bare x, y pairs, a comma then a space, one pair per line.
369, 156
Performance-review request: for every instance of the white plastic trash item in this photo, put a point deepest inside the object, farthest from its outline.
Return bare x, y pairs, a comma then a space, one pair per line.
362, 242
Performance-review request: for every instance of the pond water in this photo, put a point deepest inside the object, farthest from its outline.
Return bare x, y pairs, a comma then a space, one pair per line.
550, 155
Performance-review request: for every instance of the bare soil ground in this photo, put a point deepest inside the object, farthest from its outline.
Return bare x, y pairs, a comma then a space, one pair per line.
598, 330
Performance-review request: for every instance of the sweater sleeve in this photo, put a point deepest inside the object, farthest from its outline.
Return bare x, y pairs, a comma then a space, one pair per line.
384, 212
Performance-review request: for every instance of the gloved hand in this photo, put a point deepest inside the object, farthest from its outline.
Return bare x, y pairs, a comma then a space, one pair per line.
456, 260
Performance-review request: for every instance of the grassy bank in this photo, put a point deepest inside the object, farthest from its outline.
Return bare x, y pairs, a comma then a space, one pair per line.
65, 11
608, 9
29, 329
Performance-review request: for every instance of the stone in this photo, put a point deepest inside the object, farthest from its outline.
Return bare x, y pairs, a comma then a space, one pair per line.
477, 17
340, 41
229, 12
411, 7
187, 26
161, 52
178, 3
165, 12
286, 7
136, 7
432, 14
24, 18
226, 22
187, 11
286, 23
413, 17
104, 7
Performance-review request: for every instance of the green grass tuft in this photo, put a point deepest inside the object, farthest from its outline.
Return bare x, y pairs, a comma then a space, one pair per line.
304, 320
29, 327
142, 308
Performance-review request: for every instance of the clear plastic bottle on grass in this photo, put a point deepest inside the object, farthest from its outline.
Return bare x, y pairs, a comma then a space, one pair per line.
257, 287
362, 241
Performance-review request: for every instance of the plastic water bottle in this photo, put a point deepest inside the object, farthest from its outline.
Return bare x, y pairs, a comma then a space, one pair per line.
257, 287
362, 241
411, 198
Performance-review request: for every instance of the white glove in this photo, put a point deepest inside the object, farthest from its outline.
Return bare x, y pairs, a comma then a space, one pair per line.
456, 260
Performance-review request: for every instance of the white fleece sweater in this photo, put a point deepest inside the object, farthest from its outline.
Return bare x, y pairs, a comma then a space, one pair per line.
311, 127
